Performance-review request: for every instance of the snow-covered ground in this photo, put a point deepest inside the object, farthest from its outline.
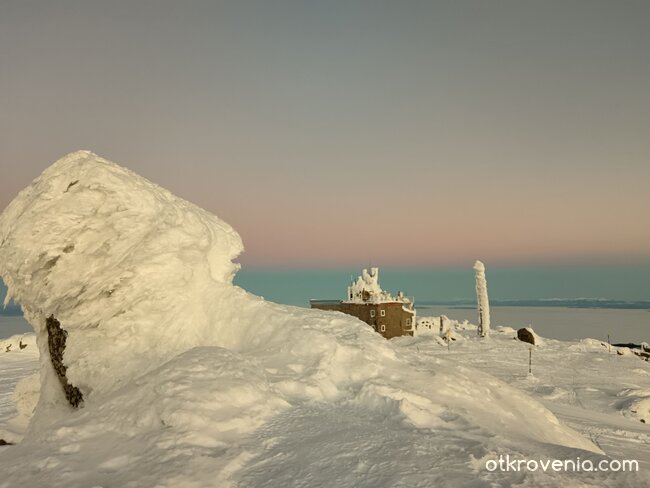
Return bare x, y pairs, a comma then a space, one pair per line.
564, 323
233, 431
189, 381
601, 392
15, 364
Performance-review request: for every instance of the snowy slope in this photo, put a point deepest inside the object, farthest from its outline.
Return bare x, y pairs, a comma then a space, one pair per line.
347, 444
190, 381
599, 392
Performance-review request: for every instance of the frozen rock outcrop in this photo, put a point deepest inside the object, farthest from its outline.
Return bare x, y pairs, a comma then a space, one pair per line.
124, 270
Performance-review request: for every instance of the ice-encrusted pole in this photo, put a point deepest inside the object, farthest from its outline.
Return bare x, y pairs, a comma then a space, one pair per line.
482, 300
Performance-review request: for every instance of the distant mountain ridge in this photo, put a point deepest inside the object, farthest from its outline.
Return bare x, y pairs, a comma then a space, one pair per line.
549, 302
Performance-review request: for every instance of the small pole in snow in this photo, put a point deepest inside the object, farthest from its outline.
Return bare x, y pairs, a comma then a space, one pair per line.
609, 344
530, 359
441, 324
448, 338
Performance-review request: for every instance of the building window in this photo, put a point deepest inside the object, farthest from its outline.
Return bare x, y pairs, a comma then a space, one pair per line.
372, 313
408, 321
382, 313
383, 328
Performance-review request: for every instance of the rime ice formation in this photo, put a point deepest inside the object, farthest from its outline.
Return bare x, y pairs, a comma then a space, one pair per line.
117, 261
179, 370
366, 289
482, 299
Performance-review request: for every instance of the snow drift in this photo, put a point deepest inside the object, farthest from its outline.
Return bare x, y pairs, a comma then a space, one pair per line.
174, 361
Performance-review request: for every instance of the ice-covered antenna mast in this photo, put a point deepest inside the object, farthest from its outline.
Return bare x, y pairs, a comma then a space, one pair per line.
482, 300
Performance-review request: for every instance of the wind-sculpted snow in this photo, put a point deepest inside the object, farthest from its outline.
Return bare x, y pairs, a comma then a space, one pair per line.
180, 370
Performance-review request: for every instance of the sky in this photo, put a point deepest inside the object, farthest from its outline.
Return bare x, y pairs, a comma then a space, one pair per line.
345, 133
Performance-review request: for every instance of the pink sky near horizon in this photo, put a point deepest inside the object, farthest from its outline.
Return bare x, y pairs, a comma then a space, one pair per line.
419, 134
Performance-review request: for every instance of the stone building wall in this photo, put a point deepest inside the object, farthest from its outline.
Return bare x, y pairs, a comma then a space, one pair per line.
396, 321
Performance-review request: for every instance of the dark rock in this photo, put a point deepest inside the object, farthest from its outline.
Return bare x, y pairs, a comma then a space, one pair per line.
56, 339
72, 183
526, 335
643, 355
5, 443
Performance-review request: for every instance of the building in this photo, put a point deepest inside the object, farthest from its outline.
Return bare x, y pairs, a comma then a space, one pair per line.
388, 315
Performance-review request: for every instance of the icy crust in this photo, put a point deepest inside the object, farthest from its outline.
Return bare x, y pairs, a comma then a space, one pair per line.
179, 368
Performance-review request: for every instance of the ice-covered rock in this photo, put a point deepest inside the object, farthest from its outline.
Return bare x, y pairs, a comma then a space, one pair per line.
129, 270
526, 334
